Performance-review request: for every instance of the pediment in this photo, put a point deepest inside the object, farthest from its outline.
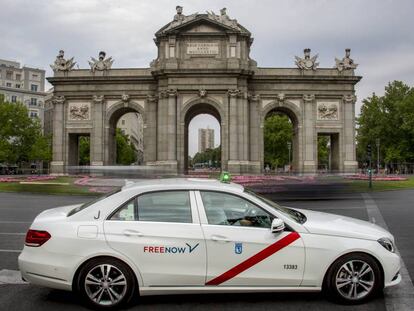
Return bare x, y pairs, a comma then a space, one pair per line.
202, 23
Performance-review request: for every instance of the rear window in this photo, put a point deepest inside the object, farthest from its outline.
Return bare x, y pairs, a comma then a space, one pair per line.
87, 204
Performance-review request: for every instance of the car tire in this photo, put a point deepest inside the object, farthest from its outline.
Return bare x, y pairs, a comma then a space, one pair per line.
353, 279
106, 283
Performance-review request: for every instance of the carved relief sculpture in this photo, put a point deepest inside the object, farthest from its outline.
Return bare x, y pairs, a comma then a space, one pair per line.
125, 98
347, 63
307, 63
61, 64
101, 64
79, 112
233, 92
308, 97
180, 18
58, 99
328, 111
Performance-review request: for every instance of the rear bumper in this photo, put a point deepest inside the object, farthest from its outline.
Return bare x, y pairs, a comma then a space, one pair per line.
47, 269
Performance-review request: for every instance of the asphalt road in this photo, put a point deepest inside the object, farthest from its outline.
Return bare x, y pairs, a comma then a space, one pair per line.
18, 210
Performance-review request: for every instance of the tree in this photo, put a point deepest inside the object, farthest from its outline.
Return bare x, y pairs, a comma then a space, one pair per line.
18, 132
41, 149
125, 151
323, 151
389, 118
278, 131
212, 156
84, 150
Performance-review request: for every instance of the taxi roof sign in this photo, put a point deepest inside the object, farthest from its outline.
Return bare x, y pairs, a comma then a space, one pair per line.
225, 177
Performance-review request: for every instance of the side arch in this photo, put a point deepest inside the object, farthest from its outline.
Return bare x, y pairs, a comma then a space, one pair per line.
295, 114
112, 116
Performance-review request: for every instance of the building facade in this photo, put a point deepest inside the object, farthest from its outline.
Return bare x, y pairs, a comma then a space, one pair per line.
203, 66
205, 139
25, 85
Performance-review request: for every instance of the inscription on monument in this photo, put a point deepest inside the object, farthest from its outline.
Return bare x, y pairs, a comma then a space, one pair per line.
202, 48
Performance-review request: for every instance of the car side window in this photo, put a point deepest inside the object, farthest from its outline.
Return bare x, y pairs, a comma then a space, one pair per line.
165, 206
126, 212
231, 210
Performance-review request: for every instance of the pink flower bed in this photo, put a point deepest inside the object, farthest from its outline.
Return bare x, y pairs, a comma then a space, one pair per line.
82, 181
28, 178
377, 178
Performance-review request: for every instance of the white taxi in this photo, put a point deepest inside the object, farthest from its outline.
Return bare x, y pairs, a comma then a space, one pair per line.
181, 236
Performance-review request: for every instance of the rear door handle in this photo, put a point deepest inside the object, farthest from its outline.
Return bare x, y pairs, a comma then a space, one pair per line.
219, 238
133, 233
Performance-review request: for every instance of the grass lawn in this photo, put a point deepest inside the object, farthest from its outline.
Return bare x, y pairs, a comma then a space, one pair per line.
48, 189
362, 185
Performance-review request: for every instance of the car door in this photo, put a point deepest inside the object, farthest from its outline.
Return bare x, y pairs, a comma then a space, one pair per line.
241, 249
161, 233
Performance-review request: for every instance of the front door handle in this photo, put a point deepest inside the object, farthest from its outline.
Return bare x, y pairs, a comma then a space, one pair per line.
219, 238
133, 233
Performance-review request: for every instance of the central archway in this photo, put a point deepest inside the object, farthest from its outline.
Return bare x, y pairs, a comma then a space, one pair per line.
196, 108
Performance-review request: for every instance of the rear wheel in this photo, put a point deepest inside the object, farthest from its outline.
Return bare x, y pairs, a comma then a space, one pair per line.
354, 279
106, 283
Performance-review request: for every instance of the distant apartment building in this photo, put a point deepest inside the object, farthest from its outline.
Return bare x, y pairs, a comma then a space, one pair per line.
205, 139
131, 124
25, 85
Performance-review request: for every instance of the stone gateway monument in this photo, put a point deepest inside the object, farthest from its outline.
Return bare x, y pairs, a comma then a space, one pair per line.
204, 66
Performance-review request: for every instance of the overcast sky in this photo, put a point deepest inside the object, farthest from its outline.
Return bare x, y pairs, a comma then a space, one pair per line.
379, 32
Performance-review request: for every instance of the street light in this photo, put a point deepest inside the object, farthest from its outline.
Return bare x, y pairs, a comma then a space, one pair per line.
377, 141
289, 145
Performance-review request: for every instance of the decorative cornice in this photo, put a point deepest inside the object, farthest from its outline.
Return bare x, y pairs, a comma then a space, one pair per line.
152, 98
58, 99
253, 97
349, 98
172, 92
233, 92
97, 99
308, 97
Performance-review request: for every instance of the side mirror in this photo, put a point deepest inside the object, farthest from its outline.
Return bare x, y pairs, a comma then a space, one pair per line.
278, 225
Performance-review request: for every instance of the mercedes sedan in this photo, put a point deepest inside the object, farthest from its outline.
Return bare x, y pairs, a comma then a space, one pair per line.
182, 236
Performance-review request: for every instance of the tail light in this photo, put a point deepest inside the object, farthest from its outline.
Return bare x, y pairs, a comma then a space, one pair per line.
36, 238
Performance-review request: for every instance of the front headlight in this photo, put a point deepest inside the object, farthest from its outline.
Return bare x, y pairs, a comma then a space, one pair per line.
387, 243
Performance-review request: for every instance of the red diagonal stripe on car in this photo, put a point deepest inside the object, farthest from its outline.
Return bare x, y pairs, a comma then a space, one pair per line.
255, 259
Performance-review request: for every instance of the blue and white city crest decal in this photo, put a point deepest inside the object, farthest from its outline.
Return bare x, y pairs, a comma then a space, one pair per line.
238, 248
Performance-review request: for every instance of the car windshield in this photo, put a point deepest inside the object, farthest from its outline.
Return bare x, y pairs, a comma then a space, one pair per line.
87, 204
291, 213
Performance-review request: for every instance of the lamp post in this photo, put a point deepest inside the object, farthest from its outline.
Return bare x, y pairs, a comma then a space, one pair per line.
377, 141
289, 145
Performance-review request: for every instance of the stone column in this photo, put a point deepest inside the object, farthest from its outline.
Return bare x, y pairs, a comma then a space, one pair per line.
350, 165
172, 125
57, 166
254, 126
150, 129
309, 138
233, 125
97, 141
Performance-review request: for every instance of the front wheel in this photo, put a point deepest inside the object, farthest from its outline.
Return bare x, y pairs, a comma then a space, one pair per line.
106, 283
354, 279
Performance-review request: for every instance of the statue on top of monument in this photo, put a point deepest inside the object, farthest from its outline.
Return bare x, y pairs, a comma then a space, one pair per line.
308, 62
61, 64
180, 18
223, 18
101, 64
346, 63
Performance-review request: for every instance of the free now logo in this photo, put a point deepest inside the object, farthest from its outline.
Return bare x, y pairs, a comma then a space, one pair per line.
187, 249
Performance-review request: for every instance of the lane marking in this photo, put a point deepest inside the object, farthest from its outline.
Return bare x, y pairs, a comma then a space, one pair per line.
15, 222
401, 296
255, 259
12, 233
11, 277
10, 250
